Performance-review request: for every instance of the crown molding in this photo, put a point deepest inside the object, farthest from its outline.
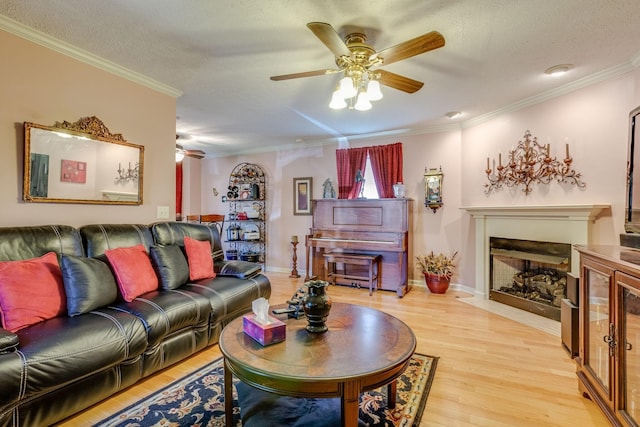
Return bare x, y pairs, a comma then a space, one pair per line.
342, 139
598, 77
18, 29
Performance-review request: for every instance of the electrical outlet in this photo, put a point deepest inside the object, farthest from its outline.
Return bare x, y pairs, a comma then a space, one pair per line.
163, 212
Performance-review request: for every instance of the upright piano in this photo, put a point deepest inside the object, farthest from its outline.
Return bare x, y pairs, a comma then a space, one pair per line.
366, 226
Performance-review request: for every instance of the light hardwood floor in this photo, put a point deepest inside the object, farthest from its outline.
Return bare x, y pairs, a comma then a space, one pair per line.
492, 371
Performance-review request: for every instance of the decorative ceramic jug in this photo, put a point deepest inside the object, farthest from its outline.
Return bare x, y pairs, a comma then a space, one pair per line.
316, 305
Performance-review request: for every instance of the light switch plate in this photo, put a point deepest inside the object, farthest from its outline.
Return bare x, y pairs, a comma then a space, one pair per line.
163, 212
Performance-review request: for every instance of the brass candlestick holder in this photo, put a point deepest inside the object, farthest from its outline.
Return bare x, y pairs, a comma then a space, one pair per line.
294, 260
307, 248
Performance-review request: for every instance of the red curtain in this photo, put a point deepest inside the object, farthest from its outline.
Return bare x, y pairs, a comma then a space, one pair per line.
178, 190
348, 161
386, 165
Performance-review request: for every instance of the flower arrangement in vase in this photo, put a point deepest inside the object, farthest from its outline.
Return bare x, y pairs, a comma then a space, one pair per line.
437, 270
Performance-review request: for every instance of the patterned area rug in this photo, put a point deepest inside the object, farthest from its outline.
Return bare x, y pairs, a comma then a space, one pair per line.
198, 400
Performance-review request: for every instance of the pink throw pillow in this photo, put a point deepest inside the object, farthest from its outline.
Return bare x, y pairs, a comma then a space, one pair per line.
133, 270
199, 259
31, 291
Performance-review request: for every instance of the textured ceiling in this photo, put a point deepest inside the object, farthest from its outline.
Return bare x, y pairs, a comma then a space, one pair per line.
220, 55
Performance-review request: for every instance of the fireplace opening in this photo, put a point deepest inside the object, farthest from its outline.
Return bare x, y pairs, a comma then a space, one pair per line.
529, 275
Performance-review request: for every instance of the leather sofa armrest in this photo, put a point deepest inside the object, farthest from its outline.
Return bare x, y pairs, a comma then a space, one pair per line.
239, 269
8, 341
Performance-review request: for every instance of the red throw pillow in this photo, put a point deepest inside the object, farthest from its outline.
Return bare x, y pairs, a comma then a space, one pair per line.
133, 270
31, 291
199, 258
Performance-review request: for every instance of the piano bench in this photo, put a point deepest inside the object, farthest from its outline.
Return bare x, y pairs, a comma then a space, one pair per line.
333, 258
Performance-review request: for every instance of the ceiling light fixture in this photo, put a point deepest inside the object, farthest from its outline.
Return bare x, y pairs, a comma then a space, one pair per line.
356, 90
179, 155
558, 70
453, 114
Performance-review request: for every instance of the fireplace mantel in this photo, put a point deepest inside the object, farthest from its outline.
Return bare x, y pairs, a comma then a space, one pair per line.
551, 223
588, 212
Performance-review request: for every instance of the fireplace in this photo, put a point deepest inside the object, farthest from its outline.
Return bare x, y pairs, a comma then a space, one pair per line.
529, 275
572, 224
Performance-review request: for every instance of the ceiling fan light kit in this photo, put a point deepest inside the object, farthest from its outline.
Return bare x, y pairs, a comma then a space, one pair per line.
361, 85
181, 152
356, 59
179, 155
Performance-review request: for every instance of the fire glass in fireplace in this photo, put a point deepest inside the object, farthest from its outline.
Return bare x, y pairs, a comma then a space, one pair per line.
529, 275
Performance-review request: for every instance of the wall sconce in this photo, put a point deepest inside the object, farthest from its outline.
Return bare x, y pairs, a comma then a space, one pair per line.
531, 162
126, 175
433, 188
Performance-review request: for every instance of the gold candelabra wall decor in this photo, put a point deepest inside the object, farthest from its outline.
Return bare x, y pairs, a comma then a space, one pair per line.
528, 163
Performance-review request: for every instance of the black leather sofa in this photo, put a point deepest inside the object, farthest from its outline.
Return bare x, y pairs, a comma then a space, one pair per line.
55, 368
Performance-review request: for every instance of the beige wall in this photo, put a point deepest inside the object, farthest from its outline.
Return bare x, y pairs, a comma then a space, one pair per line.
41, 86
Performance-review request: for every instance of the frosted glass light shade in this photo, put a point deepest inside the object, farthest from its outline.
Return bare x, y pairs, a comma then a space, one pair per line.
346, 88
363, 103
373, 90
337, 101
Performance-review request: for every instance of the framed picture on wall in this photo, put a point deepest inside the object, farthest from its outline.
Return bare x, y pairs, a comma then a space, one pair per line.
73, 171
302, 195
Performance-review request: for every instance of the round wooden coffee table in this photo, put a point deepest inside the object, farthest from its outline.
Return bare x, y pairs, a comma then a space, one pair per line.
363, 349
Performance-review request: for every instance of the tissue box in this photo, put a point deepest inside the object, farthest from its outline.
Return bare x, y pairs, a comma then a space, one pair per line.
271, 333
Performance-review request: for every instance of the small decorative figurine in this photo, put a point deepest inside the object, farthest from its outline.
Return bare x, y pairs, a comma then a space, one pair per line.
360, 178
328, 192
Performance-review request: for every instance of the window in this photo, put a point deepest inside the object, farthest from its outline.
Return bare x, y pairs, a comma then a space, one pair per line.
370, 190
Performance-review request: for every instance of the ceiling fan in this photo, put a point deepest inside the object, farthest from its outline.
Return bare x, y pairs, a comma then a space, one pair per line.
181, 151
358, 60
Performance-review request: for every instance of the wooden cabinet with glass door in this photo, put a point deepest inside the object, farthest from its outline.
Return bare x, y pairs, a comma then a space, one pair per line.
609, 360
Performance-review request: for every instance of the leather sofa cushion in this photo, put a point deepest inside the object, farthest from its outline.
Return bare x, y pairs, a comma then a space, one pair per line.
171, 266
17, 243
63, 349
134, 273
230, 296
173, 233
8, 341
165, 312
31, 291
199, 259
88, 284
97, 238
239, 269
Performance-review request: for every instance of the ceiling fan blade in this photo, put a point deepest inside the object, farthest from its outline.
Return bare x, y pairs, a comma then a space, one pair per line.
413, 47
399, 82
330, 38
305, 74
196, 154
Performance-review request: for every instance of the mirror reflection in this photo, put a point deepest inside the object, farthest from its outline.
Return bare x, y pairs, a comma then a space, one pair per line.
81, 163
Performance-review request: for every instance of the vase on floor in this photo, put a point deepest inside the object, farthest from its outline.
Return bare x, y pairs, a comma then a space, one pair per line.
316, 305
437, 284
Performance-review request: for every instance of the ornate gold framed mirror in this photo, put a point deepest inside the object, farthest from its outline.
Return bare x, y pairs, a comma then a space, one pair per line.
81, 162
